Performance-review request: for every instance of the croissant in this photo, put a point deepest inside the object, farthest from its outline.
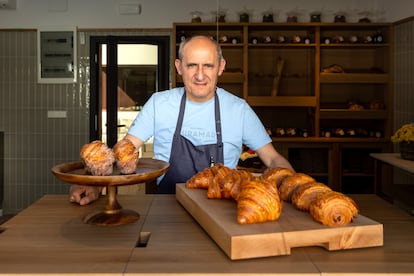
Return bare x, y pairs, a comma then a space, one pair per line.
258, 202
288, 184
98, 158
202, 180
276, 175
126, 156
333, 209
215, 188
234, 181
304, 194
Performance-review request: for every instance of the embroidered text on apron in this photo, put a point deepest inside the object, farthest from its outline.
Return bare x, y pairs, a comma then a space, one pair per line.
186, 159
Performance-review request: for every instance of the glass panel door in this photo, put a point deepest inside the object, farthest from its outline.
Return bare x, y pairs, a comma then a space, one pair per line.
137, 67
125, 71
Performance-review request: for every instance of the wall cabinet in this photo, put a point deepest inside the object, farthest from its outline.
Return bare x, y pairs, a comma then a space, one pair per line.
324, 90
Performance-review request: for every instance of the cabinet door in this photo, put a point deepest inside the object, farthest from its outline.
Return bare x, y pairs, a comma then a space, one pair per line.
357, 168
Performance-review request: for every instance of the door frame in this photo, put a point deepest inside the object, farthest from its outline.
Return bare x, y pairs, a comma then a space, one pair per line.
163, 71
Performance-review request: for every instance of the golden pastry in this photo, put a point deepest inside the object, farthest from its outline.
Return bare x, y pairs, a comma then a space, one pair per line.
304, 194
202, 180
215, 188
258, 202
276, 175
233, 182
98, 158
333, 209
290, 183
126, 156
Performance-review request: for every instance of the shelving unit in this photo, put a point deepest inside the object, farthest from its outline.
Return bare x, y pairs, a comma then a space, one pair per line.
298, 93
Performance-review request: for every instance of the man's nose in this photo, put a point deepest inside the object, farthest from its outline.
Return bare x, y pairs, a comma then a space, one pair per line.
200, 72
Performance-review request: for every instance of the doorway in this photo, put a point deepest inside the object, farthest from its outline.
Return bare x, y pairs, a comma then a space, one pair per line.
125, 71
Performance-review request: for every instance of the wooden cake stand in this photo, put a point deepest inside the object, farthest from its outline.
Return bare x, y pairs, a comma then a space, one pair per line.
113, 214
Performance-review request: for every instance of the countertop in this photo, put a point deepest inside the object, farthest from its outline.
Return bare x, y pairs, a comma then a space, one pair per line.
395, 160
49, 237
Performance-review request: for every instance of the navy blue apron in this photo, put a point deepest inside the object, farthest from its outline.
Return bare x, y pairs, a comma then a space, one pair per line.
186, 159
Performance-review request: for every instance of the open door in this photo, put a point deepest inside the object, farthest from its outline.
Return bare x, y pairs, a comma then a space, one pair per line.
125, 71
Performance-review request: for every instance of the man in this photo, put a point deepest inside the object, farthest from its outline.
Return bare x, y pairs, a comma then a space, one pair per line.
212, 123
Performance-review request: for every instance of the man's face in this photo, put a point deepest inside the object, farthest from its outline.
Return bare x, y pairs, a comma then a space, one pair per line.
200, 69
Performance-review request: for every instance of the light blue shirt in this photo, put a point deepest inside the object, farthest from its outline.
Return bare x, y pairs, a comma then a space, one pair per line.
239, 124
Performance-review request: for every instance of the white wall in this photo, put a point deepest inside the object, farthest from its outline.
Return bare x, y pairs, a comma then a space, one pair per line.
161, 13
397, 10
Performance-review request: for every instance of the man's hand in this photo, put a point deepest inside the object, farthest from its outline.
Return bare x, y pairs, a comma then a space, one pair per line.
84, 194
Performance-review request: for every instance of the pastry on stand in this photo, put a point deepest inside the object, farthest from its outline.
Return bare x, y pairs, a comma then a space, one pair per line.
113, 213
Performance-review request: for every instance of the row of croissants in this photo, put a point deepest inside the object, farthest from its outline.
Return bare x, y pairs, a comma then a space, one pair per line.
99, 159
260, 198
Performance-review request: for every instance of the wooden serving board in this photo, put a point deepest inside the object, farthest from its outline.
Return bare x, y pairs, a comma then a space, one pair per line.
294, 228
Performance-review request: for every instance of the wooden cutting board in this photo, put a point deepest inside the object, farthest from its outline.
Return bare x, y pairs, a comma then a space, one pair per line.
294, 228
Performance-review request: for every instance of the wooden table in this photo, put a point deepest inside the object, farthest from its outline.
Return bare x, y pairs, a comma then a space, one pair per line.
50, 238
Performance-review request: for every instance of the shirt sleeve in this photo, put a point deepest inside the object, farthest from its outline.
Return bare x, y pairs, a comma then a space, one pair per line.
143, 125
255, 135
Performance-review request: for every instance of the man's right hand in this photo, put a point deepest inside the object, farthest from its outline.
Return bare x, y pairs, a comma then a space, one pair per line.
84, 194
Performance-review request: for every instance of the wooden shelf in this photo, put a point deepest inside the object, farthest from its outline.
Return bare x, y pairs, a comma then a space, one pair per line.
298, 101
354, 45
354, 78
282, 45
352, 114
368, 140
306, 97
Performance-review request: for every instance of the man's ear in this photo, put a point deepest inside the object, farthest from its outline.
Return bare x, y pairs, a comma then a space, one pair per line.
222, 66
178, 66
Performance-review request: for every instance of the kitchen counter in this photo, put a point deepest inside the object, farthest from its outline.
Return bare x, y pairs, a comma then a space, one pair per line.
395, 160
49, 237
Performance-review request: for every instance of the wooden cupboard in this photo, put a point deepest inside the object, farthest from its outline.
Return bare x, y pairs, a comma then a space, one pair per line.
324, 90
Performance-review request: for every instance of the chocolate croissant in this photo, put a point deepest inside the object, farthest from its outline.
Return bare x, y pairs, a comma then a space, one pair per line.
305, 194
290, 183
333, 209
258, 202
98, 158
276, 175
126, 156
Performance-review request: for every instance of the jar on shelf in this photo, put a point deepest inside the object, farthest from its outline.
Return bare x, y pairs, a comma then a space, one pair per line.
296, 39
340, 18
267, 17
315, 17
244, 17
196, 17
326, 40
353, 39
378, 38
281, 39
267, 39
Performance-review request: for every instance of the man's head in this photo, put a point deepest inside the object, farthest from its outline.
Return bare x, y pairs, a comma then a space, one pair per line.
200, 63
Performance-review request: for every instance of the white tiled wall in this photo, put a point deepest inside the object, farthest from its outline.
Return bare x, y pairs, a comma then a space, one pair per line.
33, 143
